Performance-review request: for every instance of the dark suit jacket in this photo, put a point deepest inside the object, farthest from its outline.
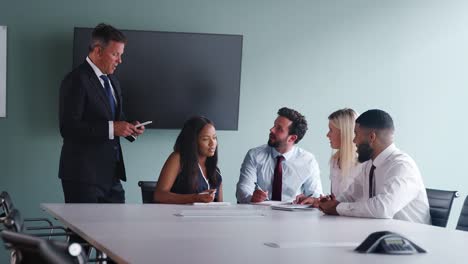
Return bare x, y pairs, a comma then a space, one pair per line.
88, 155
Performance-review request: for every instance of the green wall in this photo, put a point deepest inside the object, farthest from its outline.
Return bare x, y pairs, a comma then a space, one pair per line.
406, 57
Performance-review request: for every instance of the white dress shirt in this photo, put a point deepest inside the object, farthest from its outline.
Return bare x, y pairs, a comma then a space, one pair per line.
399, 190
98, 73
339, 182
301, 173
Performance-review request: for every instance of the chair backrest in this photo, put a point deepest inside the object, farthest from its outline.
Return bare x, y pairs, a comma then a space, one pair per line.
6, 202
27, 248
55, 253
440, 204
463, 220
147, 191
24, 248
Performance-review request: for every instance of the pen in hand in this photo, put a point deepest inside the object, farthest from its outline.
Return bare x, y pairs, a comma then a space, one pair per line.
257, 187
300, 198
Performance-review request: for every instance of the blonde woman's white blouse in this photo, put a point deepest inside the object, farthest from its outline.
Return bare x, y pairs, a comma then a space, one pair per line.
340, 183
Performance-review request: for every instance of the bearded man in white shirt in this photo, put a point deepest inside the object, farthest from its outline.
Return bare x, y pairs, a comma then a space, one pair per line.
390, 185
280, 170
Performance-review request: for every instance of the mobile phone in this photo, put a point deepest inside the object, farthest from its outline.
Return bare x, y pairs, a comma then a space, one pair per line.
143, 124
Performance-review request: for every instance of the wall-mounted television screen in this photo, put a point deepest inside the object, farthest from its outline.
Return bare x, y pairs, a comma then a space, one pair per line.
167, 77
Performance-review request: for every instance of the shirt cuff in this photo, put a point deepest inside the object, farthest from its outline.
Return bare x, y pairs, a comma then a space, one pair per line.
111, 130
342, 208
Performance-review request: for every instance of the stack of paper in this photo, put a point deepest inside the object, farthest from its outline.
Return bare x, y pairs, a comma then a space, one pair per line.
270, 203
213, 204
291, 207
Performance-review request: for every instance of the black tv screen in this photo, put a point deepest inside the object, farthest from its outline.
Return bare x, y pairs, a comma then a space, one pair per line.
168, 77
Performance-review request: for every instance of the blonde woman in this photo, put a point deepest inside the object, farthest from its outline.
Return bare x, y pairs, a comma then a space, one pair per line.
343, 163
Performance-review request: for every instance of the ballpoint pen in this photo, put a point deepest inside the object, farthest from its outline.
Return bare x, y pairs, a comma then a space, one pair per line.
305, 197
257, 187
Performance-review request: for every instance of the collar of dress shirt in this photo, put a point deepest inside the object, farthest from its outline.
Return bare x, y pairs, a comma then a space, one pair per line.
286, 155
380, 159
95, 68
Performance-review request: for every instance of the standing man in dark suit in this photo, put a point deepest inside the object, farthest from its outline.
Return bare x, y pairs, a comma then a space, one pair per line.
92, 122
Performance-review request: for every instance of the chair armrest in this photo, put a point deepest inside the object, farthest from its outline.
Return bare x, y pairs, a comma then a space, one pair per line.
46, 228
65, 234
38, 220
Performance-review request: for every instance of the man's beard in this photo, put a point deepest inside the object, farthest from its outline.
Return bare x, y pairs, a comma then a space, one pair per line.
364, 151
275, 144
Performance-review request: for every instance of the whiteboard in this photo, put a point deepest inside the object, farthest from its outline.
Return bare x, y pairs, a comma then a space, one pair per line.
3, 59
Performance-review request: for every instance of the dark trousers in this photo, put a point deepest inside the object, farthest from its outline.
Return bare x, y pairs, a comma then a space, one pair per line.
79, 192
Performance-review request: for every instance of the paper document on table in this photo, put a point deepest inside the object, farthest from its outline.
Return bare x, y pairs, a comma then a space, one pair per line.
213, 204
220, 213
307, 244
269, 203
292, 207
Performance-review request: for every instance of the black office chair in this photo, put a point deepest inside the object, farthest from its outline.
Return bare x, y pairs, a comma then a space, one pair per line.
147, 191
31, 249
7, 206
54, 254
13, 221
463, 220
440, 204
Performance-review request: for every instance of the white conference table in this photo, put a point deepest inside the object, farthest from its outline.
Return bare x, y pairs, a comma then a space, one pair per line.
152, 233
